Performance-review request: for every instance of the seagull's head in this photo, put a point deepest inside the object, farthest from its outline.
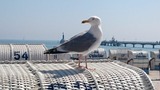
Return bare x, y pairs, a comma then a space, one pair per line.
93, 20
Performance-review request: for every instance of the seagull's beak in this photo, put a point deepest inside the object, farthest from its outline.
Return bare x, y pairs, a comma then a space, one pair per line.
85, 21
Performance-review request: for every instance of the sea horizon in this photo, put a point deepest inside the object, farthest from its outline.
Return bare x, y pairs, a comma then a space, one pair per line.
57, 42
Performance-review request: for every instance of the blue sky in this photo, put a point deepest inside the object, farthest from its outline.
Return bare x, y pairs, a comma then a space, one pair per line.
136, 20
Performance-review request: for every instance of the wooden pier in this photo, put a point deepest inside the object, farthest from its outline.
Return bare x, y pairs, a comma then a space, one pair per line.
125, 43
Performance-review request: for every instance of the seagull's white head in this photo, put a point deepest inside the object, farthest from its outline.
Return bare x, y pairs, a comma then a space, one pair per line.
93, 20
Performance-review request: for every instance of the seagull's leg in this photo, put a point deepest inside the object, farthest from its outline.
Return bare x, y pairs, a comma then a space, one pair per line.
80, 57
86, 62
92, 69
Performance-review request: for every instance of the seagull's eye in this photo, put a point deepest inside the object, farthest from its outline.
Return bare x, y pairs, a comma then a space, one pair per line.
93, 18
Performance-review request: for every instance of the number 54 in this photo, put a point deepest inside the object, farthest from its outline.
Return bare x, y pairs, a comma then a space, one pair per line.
17, 55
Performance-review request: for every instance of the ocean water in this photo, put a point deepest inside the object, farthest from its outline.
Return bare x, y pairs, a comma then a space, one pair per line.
48, 43
52, 43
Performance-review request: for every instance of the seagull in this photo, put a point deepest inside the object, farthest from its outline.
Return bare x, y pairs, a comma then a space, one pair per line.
82, 43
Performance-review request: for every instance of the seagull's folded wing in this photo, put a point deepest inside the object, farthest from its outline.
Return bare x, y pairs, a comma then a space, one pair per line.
79, 43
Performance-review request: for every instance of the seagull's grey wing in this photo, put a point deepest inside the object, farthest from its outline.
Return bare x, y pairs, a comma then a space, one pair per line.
79, 43
80, 34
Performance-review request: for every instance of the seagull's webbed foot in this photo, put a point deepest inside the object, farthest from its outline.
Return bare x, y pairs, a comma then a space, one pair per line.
86, 65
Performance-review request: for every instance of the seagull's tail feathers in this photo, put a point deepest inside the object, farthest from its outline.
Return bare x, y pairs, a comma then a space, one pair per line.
53, 51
